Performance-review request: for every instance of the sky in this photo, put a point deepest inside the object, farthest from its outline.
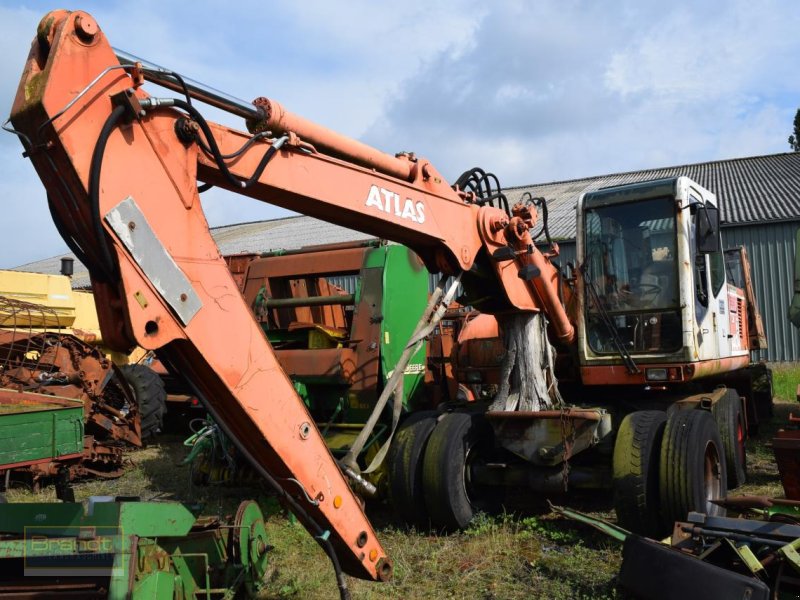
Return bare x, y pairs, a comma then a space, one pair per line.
534, 91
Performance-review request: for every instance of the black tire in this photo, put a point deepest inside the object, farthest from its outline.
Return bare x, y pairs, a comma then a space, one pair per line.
404, 464
730, 421
148, 389
762, 395
451, 498
692, 470
637, 454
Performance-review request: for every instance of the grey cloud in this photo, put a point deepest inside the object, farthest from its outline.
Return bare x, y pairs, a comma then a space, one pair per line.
555, 90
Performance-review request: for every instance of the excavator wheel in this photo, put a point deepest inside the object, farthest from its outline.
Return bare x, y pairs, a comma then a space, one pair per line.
730, 420
148, 388
404, 464
451, 497
692, 470
637, 453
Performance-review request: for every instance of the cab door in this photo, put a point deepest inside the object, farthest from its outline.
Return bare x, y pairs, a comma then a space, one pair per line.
711, 298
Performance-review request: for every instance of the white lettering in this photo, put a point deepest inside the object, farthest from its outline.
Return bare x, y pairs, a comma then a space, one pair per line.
387, 195
388, 202
374, 198
408, 211
420, 212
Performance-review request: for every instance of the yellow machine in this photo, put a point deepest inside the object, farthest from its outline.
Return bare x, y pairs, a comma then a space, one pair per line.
70, 311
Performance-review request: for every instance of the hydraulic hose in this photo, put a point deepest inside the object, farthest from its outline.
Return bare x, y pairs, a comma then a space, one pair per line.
542, 204
108, 267
219, 159
66, 236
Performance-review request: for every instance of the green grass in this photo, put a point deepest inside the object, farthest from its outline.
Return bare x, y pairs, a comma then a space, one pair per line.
532, 554
785, 379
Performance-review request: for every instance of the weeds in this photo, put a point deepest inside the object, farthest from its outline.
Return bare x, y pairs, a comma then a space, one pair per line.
785, 379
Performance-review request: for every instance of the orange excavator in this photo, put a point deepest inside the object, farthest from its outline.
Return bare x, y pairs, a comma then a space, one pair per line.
124, 168
121, 168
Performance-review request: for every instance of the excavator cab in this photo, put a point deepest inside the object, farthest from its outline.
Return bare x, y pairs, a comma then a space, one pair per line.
631, 271
656, 297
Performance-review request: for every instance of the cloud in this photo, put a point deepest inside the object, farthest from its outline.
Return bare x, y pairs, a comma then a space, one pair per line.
556, 90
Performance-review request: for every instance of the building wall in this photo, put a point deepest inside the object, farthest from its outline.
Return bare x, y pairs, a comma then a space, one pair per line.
771, 249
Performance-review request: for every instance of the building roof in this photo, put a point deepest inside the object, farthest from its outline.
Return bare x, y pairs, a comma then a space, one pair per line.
750, 190
288, 233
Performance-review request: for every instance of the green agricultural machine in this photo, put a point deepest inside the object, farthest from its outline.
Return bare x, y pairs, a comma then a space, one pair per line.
129, 550
338, 317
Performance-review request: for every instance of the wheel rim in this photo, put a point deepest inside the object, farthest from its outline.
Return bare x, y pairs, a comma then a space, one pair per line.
740, 449
712, 476
475, 492
467, 480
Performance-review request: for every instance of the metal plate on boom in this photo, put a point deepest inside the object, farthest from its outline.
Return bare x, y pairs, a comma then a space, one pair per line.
159, 267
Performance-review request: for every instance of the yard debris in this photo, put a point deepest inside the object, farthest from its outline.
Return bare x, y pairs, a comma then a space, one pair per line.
786, 446
709, 557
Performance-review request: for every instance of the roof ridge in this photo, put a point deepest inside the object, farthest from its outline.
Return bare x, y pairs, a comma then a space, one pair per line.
286, 218
623, 173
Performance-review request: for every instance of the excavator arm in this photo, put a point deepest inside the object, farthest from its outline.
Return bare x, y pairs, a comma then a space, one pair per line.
121, 169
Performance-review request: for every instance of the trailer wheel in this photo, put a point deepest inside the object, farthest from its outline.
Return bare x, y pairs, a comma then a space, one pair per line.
404, 464
450, 496
150, 396
637, 453
732, 430
692, 470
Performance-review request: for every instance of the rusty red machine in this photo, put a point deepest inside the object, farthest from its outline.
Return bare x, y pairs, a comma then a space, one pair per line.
66, 411
121, 167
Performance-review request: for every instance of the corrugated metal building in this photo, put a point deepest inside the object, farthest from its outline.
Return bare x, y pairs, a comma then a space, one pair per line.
759, 198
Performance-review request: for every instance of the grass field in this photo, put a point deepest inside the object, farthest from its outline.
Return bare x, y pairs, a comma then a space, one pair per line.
531, 554
785, 379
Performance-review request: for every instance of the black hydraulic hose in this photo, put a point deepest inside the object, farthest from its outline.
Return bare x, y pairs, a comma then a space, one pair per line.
486, 187
542, 203
178, 78
250, 141
71, 208
109, 270
545, 221
73, 245
215, 152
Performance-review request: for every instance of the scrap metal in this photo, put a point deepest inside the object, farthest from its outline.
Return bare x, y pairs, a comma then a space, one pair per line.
37, 366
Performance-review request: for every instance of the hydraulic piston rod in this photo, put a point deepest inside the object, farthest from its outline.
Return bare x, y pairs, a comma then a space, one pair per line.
199, 91
267, 114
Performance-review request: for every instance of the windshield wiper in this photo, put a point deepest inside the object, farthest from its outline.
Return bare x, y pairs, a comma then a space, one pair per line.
609, 324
